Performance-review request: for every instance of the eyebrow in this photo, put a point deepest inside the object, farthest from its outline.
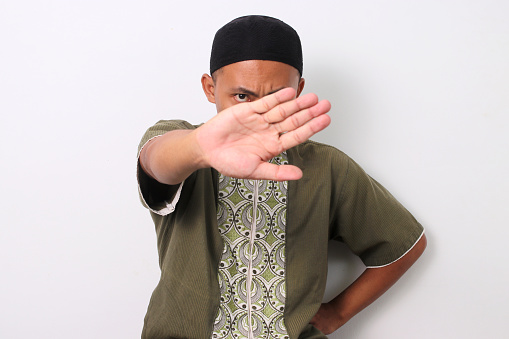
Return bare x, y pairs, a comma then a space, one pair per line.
274, 91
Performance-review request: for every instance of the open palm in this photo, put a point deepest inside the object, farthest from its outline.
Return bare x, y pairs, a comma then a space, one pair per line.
240, 140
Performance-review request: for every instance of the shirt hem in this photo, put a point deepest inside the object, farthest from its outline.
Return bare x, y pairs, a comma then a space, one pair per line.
392, 262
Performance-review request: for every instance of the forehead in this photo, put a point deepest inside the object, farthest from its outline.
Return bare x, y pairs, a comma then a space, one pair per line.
255, 73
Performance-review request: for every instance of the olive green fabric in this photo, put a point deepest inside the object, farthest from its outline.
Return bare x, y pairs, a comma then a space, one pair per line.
335, 199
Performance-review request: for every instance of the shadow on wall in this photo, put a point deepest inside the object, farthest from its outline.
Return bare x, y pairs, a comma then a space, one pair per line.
343, 268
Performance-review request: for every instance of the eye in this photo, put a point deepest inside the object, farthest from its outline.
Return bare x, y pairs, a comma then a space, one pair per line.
240, 97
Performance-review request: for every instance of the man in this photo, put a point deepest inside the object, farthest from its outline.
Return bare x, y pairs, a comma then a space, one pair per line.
245, 203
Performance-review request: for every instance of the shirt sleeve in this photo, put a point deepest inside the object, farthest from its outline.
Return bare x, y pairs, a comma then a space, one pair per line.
157, 197
372, 222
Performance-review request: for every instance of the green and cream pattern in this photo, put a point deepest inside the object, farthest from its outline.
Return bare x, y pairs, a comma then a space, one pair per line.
235, 213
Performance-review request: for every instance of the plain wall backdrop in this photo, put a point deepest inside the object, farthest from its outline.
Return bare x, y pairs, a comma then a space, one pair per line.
419, 91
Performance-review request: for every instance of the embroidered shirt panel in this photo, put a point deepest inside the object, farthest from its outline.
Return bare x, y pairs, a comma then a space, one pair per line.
235, 218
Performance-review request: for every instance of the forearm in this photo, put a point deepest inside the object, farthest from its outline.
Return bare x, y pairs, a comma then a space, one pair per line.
373, 283
368, 287
172, 157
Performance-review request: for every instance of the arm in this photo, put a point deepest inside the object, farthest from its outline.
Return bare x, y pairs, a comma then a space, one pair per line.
362, 292
240, 140
172, 157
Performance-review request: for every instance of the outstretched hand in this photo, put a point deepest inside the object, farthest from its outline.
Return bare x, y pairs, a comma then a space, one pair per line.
240, 140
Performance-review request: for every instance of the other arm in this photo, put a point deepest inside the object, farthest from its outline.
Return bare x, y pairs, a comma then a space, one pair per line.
370, 285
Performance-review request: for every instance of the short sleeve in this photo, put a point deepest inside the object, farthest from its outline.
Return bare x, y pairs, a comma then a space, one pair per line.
371, 221
157, 197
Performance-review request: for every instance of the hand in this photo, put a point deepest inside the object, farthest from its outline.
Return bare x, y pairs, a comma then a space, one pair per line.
240, 140
326, 319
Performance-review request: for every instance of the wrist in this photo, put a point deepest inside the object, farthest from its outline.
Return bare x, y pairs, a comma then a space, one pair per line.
198, 154
341, 312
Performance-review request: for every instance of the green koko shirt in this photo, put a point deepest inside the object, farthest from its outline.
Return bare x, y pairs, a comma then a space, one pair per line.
335, 199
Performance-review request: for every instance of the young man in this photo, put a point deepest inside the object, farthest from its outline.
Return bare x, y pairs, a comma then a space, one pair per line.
244, 205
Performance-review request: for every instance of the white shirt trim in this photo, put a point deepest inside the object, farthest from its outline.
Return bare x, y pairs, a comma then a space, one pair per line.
170, 205
400, 256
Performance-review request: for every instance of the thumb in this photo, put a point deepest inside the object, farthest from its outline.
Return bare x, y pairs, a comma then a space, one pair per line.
268, 171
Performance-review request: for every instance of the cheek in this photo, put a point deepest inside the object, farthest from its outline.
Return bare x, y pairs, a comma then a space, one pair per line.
220, 105
224, 102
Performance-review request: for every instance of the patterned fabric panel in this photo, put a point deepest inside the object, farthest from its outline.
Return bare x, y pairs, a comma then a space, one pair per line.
235, 217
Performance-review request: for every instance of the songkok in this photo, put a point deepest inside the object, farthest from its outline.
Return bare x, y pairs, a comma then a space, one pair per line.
256, 37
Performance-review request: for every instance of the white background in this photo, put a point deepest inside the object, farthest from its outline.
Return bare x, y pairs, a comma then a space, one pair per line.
419, 91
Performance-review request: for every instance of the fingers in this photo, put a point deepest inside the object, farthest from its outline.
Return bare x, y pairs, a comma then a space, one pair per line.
297, 120
280, 107
268, 102
304, 132
286, 109
302, 117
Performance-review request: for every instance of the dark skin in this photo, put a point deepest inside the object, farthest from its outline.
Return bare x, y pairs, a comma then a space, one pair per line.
260, 115
368, 287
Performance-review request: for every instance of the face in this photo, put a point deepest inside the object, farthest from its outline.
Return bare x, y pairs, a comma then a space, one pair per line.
249, 80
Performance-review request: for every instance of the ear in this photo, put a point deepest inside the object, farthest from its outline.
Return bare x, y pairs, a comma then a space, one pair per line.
207, 83
300, 87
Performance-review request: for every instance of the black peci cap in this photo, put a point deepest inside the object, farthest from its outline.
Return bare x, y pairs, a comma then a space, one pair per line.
256, 37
